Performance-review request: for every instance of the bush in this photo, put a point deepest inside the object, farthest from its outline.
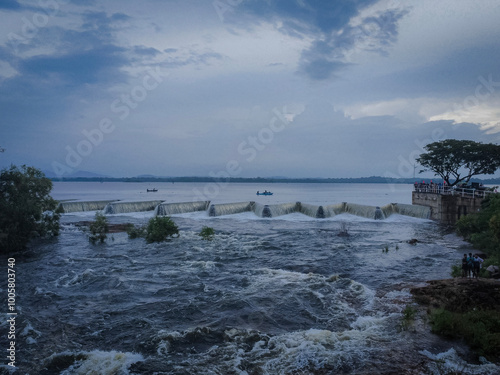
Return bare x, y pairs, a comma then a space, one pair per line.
136, 231
99, 229
160, 228
408, 318
207, 233
479, 328
26, 208
482, 229
456, 269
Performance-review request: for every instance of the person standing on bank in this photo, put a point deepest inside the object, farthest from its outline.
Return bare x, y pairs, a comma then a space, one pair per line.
470, 265
464, 266
477, 265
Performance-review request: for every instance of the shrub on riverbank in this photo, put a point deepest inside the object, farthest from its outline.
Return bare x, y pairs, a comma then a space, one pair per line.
26, 208
480, 329
465, 309
482, 229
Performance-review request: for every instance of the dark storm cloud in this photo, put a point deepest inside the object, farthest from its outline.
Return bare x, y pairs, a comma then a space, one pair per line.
98, 65
10, 5
328, 55
305, 16
328, 23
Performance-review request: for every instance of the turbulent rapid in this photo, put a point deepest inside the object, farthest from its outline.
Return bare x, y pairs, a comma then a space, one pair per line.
285, 295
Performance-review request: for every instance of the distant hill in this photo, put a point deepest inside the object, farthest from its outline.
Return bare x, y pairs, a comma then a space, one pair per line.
74, 175
88, 176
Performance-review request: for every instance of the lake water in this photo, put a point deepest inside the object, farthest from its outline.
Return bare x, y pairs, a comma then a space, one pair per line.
284, 295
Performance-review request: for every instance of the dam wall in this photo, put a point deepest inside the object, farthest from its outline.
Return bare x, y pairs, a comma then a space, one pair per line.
161, 208
447, 208
77, 206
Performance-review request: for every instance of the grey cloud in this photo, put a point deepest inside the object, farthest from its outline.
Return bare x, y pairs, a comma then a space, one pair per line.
10, 5
331, 53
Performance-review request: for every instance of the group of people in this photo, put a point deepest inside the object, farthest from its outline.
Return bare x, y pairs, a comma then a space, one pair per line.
471, 265
431, 187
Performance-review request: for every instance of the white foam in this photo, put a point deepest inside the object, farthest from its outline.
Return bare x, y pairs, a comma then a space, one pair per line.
76, 279
103, 363
450, 362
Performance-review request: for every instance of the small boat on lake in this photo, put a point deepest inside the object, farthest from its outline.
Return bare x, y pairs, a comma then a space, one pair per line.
154, 190
264, 193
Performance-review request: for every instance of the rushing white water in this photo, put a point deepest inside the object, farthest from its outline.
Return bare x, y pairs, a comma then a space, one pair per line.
279, 295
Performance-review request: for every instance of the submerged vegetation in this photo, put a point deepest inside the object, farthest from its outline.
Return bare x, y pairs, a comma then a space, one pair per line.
99, 229
207, 233
158, 229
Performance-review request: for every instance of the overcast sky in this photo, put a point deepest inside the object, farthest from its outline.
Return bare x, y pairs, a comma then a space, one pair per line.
246, 88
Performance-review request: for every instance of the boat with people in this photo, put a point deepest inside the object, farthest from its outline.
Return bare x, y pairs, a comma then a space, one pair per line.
265, 192
153, 190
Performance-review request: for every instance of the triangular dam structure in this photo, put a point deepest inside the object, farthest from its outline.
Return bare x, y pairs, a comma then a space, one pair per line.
165, 209
274, 210
162, 208
230, 208
128, 207
82, 206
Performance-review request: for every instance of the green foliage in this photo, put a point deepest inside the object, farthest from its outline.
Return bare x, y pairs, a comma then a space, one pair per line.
456, 270
158, 229
409, 313
207, 233
26, 208
479, 328
99, 229
136, 231
450, 158
482, 229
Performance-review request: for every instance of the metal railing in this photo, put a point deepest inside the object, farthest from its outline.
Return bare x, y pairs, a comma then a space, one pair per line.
458, 191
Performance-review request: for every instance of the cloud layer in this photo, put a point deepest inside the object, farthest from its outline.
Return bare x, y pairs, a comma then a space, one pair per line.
301, 88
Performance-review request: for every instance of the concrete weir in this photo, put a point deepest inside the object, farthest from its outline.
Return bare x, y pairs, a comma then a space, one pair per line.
261, 210
127, 207
165, 209
230, 208
77, 206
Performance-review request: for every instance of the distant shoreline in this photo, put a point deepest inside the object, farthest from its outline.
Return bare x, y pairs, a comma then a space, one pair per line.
367, 180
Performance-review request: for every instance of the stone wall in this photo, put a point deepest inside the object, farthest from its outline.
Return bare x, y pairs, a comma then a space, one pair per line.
447, 209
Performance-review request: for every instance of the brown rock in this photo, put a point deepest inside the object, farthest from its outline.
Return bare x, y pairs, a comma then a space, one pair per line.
460, 295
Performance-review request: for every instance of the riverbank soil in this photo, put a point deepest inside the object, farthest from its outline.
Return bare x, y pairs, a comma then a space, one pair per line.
462, 300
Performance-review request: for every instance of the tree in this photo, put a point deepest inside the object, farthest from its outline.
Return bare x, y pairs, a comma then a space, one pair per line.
457, 161
160, 228
26, 208
99, 229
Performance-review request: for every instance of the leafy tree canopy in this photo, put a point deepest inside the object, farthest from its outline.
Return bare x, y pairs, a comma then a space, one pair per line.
26, 208
457, 161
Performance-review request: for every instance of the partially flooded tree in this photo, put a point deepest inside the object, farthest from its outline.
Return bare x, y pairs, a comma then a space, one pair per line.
457, 161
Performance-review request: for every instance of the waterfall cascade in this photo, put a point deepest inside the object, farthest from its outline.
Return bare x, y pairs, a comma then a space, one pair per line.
311, 210
421, 212
334, 209
126, 207
68, 207
165, 209
230, 208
